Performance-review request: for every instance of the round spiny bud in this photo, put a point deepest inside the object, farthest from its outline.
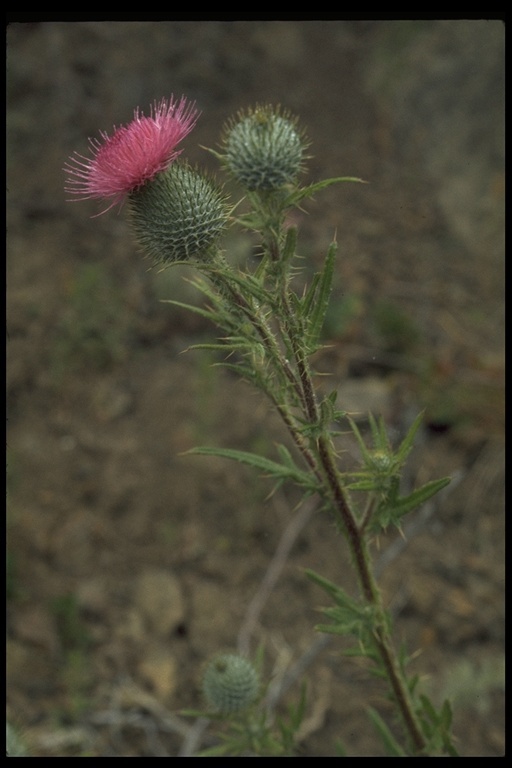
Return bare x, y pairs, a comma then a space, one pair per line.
380, 461
264, 148
178, 215
230, 683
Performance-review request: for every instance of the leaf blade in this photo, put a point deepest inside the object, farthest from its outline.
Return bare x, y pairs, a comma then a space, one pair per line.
271, 468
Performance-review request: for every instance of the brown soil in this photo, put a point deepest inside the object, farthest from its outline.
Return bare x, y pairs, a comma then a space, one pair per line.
130, 564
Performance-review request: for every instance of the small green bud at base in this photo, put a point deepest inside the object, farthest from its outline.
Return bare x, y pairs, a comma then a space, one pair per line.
380, 461
230, 683
178, 215
264, 149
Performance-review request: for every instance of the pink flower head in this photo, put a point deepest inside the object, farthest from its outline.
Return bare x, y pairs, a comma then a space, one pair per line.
134, 153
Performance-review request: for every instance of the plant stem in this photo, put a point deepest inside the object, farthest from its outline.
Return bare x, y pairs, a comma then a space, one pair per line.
355, 534
317, 447
357, 543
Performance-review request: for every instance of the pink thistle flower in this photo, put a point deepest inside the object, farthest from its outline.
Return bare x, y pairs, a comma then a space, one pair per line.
134, 153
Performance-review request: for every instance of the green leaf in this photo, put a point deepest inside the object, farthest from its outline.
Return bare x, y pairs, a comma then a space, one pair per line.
429, 710
286, 457
363, 485
245, 372
349, 617
446, 715
436, 725
251, 285
209, 314
340, 748
355, 429
271, 468
339, 629
289, 727
308, 299
312, 189
290, 244
220, 750
402, 506
214, 347
248, 221
392, 747
321, 302
379, 435
339, 596
408, 440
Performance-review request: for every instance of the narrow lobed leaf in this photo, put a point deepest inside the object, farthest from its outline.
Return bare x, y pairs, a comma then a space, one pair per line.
312, 189
321, 302
408, 440
406, 504
392, 747
271, 468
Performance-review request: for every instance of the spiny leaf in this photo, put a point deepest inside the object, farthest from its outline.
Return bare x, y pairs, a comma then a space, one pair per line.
392, 747
446, 715
319, 308
362, 445
402, 506
308, 299
430, 711
285, 456
250, 285
214, 347
290, 244
408, 440
339, 596
309, 191
242, 370
339, 629
209, 314
271, 468
378, 430
363, 485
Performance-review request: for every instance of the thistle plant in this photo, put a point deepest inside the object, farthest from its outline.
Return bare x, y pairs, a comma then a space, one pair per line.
269, 332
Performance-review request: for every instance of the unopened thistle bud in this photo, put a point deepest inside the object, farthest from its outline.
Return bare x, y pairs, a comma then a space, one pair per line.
178, 215
380, 461
264, 148
230, 683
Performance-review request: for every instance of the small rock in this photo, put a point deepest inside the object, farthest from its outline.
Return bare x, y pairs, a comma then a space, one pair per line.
159, 599
158, 667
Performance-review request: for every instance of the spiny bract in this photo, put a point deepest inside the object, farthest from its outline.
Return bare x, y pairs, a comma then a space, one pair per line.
230, 683
264, 148
178, 215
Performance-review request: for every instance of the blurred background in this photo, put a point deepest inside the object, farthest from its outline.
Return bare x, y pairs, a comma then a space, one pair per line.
129, 564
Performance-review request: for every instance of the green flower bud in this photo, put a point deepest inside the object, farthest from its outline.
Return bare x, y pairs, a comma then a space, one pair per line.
178, 215
230, 683
380, 461
264, 148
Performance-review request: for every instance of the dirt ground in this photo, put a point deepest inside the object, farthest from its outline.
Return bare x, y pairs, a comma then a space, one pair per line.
130, 564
